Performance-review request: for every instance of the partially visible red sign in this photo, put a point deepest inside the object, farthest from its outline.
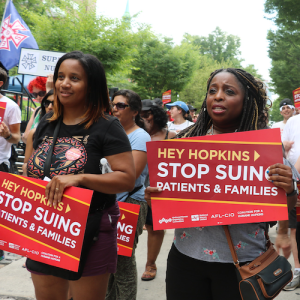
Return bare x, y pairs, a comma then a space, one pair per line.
127, 227
30, 227
296, 95
216, 179
2, 111
166, 97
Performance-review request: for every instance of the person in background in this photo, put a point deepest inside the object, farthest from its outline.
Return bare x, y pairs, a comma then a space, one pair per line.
287, 110
87, 134
179, 112
155, 119
37, 89
192, 110
291, 141
46, 107
127, 107
9, 133
199, 257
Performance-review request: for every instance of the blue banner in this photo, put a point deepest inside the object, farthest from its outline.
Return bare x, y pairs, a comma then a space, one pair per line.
14, 35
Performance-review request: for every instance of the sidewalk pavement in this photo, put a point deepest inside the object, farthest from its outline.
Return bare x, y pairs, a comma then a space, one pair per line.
16, 284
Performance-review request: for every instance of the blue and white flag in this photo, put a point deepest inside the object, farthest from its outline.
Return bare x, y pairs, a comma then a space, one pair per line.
14, 35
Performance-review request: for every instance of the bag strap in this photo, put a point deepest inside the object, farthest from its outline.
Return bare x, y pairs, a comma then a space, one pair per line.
135, 190
47, 164
231, 246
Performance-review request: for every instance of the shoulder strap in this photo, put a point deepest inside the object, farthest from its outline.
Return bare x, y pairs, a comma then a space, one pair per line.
47, 164
166, 137
231, 246
37, 111
134, 190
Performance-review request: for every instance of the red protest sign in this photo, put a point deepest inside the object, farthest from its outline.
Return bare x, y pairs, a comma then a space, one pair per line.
127, 227
213, 180
166, 97
30, 227
2, 110
296, 95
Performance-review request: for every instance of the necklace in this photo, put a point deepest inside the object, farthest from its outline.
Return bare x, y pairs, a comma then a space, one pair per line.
210, 131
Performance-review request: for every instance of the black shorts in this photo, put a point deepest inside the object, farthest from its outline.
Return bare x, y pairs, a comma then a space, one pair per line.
189, 278
149, 220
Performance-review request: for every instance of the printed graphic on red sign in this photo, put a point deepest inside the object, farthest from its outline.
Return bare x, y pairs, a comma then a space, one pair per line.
296, 95
127, 227
30, 227
2, 111
215, 180
166, 97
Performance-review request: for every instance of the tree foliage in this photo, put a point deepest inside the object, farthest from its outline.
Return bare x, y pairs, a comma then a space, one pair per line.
219, 45
284, 49
274, 113
158, 66
132, 55
71, 27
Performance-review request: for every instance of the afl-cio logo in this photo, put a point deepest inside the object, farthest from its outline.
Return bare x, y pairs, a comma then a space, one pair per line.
163, 220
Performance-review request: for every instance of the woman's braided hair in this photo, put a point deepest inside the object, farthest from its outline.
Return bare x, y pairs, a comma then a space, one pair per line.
254, 114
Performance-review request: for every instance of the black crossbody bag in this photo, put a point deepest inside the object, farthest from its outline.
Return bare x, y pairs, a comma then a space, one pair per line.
90, 235
264, 277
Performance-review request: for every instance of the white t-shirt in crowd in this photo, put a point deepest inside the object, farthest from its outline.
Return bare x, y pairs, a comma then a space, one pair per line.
280, 125
178, 128
12, 115
291, 132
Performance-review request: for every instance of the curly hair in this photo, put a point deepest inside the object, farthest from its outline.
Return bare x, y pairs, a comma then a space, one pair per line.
39, 82
160, 117
254, 114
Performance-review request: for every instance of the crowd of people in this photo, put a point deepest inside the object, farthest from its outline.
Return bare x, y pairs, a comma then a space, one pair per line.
75, 103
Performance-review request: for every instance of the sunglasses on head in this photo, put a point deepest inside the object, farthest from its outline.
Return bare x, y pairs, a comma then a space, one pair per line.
40, 94
47, 103
119, 105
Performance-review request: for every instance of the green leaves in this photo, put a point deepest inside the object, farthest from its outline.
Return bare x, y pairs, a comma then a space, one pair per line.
284, 49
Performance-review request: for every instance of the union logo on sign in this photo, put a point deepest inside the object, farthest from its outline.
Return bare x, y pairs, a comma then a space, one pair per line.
9, 32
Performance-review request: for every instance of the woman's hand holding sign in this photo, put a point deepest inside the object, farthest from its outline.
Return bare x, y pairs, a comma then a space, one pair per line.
148, 191
55, 188
282, 176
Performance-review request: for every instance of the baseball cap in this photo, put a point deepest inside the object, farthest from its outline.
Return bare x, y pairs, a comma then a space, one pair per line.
181, 104
157, 101
191, 107
286, 101
147, 104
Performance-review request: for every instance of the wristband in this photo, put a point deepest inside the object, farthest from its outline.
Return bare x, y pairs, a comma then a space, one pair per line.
9, 137
295, 191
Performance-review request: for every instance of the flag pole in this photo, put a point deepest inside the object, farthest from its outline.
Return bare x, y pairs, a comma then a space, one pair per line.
4, 12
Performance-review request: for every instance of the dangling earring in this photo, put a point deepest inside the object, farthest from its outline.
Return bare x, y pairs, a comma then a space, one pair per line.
133, 119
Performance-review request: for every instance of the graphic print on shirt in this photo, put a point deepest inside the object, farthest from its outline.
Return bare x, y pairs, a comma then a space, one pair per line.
212, 253
185, 235
255, 233
69, 157
240, 245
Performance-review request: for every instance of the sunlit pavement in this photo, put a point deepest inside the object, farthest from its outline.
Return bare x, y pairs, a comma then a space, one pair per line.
15, 281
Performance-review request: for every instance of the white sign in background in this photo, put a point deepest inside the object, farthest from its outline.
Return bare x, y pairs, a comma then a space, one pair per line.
38, 62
